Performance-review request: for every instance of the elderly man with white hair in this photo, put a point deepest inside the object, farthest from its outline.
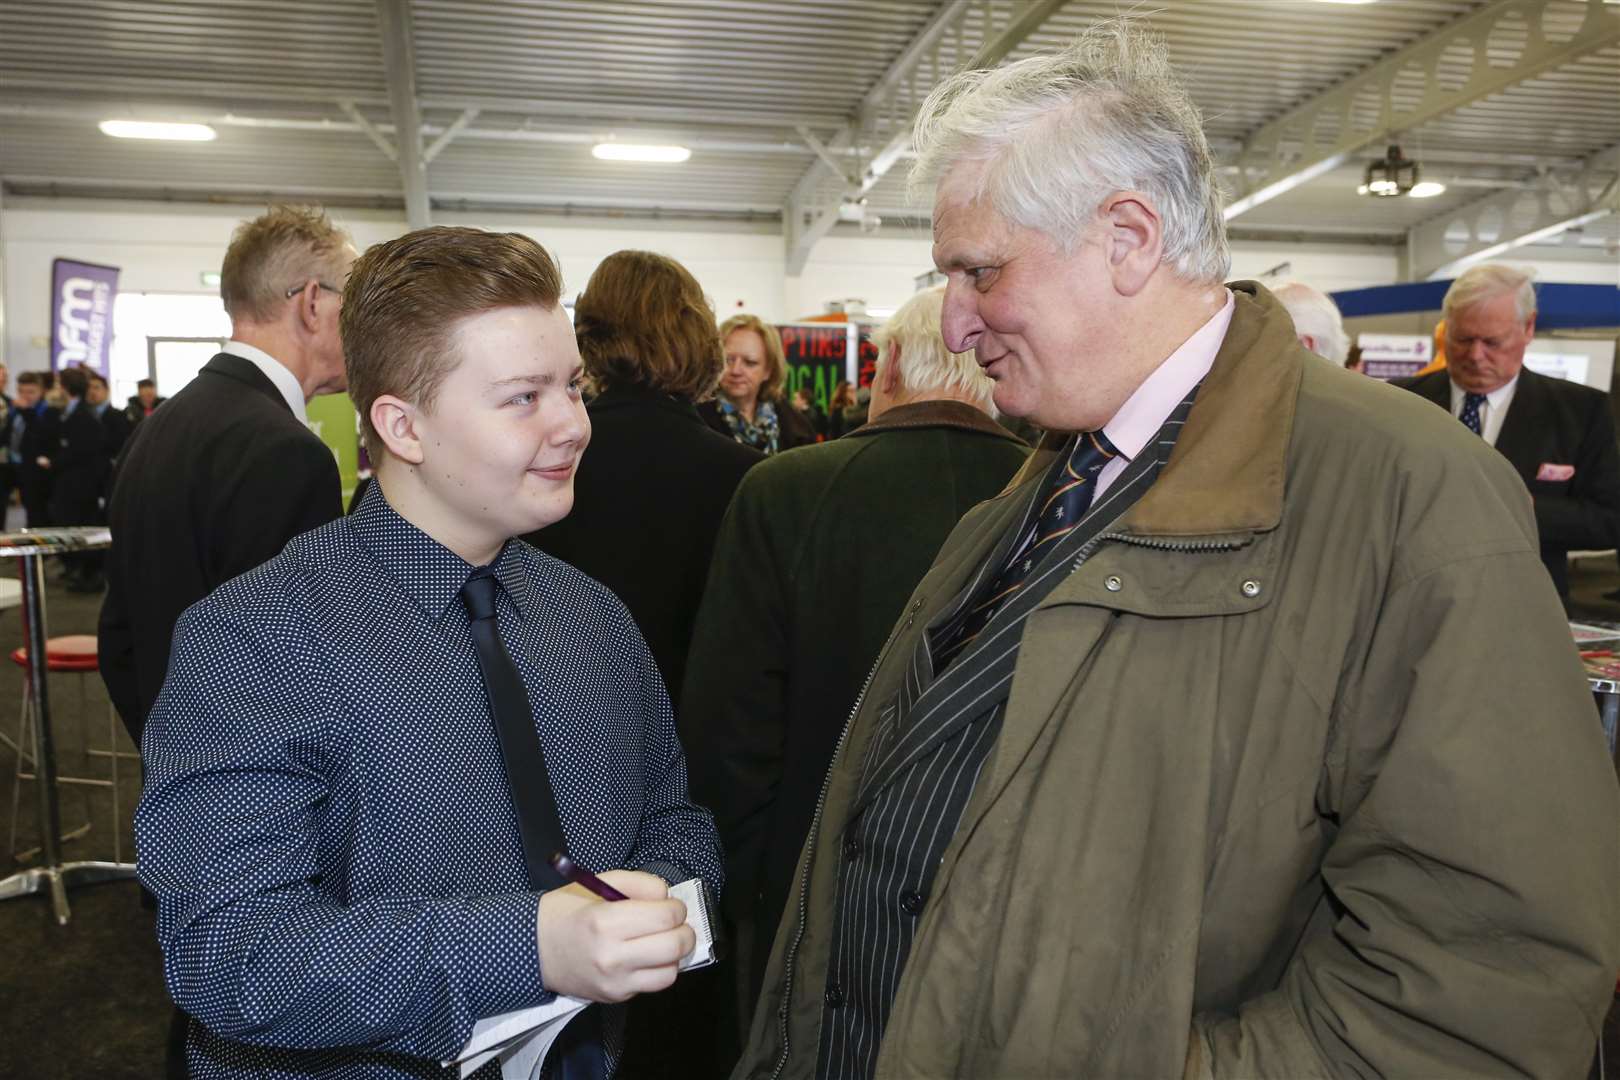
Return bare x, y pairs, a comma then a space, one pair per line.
1243, 735
817, 555
1558, 436
1317, 322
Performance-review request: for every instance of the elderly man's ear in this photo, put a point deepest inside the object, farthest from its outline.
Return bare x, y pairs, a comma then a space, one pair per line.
1133, 242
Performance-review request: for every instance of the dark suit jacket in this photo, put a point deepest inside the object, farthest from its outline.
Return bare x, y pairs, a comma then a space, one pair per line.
33, 482
211, 485
652, 472
79, 461
1553, 422
116, 428
818, 554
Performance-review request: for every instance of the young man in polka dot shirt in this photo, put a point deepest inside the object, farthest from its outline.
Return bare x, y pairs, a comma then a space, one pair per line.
328, 824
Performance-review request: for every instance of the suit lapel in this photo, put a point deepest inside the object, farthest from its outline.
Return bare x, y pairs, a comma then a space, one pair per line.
1517, 439
980, 677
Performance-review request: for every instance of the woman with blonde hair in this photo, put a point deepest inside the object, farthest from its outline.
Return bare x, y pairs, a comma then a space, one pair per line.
750, 406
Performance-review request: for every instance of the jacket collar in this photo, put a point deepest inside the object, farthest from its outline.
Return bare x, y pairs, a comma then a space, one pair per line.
618, 397
1227, 472
930, 414
247, 372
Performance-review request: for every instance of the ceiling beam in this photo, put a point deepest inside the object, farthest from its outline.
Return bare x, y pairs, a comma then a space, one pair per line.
399, 60
446, 136
881, 126
1449, 243
358, 118
1322, 133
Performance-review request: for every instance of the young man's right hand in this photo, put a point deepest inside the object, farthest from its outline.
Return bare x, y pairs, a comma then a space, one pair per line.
601, 951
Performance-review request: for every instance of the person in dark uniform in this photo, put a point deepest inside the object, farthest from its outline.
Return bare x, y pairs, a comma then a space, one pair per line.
78, 461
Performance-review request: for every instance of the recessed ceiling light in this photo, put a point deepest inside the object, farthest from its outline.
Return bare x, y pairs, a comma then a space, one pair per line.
614, 151
145, 129
1427, 189
1346, 1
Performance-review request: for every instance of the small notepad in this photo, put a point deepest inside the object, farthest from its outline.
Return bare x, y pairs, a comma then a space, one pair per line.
522, 1038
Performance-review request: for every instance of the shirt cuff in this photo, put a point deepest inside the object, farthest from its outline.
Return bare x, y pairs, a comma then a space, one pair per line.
672, 874
502, 950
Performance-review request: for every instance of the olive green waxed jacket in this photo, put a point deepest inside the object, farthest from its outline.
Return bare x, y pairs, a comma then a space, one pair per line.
1299, 775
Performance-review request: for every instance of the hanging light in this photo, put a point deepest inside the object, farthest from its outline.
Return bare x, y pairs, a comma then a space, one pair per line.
1391, 175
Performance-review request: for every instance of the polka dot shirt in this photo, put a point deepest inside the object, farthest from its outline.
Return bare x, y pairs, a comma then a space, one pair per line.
326, 822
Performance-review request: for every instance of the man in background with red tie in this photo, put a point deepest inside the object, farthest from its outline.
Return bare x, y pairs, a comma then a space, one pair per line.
1558, 435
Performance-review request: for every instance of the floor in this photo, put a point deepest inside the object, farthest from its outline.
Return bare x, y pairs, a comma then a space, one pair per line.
87, 999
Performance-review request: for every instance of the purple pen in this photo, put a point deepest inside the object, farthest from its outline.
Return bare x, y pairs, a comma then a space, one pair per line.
576, 873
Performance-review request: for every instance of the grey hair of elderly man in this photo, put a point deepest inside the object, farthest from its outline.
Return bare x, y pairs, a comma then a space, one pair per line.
914, 365
1316, 319
1080, 244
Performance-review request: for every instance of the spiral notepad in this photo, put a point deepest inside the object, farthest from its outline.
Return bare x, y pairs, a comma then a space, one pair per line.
521, 1039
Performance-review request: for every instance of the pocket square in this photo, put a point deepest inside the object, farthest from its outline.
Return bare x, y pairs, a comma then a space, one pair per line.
1555, 473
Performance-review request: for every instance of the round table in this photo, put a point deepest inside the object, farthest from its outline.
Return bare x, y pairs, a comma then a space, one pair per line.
30, 547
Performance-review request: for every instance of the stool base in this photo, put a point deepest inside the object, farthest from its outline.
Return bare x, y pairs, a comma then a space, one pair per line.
60, 879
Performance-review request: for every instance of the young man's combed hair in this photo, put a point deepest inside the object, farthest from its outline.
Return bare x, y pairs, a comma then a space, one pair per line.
405, 299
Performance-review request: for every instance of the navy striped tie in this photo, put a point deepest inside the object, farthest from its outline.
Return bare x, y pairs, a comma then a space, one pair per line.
1063, 505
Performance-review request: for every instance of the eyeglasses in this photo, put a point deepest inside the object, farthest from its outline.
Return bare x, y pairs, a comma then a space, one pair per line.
296, 289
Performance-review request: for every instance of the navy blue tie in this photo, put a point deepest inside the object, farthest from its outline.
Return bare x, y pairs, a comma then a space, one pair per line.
577, 1053
1064, 504
1470, 412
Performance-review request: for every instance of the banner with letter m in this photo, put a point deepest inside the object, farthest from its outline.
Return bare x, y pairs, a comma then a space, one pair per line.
81, 315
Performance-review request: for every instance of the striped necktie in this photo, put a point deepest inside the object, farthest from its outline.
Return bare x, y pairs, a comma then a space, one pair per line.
1062, 507
1470, 412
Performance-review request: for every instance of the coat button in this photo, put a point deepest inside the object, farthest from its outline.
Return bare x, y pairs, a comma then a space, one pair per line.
911, 903
1112, 583
1251, 588
852, 848
834, 997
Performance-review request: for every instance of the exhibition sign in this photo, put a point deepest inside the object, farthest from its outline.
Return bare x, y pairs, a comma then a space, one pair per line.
81, 315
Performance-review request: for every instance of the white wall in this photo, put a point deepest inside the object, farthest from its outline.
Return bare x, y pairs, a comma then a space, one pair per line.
164, 248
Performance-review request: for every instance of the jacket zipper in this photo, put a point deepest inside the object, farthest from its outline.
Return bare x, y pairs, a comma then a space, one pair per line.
815, 834
1155, 544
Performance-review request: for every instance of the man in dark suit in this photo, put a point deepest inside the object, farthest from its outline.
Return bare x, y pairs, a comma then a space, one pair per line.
26, 423
1559, 436
219, 480
115, 424
77, 459
817, 555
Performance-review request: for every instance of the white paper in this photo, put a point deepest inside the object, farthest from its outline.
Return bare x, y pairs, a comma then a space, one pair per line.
522, 1038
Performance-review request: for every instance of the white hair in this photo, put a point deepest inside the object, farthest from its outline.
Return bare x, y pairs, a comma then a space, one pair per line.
1487, 281
926, 365
1056, 134
1317, 316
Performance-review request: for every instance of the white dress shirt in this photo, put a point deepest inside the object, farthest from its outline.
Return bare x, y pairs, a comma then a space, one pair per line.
1492, 413
276, 372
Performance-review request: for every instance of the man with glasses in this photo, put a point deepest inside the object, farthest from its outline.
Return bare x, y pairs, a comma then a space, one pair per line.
228, 471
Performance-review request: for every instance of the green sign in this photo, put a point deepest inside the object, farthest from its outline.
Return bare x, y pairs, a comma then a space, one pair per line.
333, 417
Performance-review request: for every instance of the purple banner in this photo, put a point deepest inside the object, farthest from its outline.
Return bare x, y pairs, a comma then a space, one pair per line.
81, 315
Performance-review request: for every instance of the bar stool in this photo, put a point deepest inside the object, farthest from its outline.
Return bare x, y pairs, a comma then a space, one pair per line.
74, 654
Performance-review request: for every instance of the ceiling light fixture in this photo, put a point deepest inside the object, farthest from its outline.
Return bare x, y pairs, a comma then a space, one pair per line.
1393, 174
614, 151
147, 129
1427, 189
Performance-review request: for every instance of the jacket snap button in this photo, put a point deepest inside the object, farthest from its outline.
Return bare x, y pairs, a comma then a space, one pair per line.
834, 996
1251, 589
1112, 583
852, 848
911, 903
